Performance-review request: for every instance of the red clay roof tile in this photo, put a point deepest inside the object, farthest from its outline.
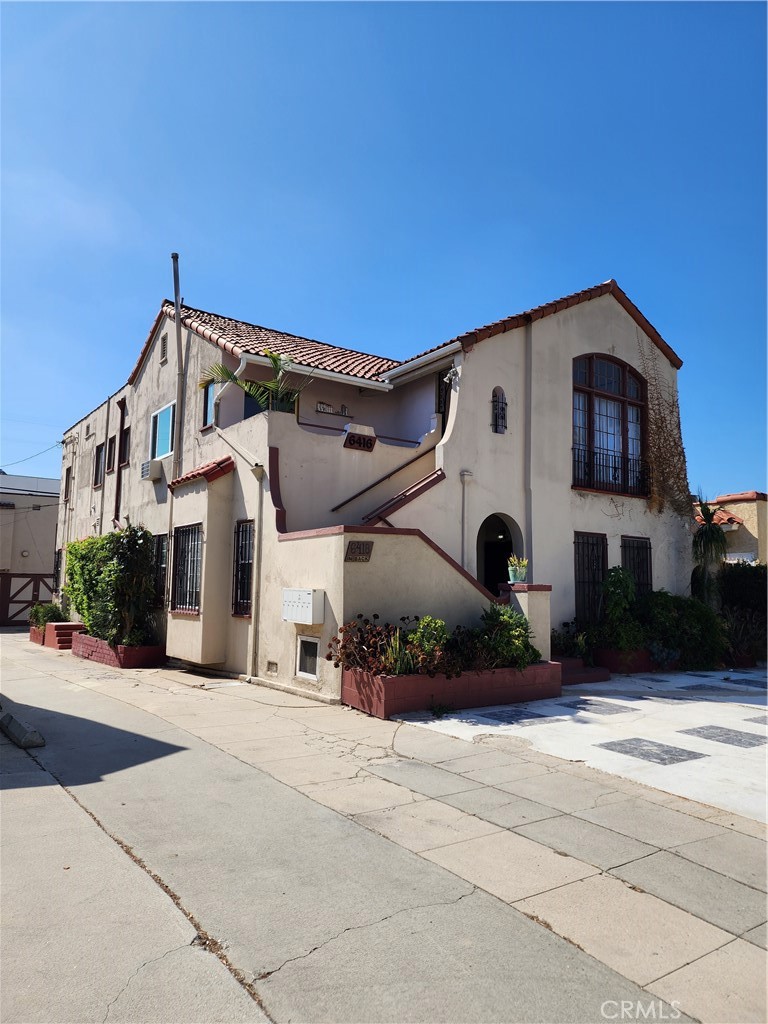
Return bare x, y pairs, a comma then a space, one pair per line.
209, 471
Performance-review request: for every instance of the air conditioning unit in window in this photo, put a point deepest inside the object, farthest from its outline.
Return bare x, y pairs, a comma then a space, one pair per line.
152, 470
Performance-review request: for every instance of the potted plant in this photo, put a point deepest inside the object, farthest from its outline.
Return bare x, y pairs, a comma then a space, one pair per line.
518, 569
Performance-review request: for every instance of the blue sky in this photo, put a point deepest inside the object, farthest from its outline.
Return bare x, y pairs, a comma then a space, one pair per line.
384, 177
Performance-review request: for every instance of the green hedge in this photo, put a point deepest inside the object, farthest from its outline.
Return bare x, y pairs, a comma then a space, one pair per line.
743, 585
41, 614
687, 629
110, 582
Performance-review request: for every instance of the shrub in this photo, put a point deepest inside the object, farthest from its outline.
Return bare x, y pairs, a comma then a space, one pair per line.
619, 629
570, 641
41, 614
745, 632
743, 585
503, 641
684, 626
507, 638
110, 582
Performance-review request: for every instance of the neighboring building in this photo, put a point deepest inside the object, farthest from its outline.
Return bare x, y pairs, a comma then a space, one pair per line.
744, 520
28, 513
394, 487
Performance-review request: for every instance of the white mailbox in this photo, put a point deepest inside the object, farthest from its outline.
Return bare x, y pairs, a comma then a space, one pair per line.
307, 606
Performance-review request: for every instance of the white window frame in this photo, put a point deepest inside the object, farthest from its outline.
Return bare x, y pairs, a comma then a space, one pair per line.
153, 433
314, 640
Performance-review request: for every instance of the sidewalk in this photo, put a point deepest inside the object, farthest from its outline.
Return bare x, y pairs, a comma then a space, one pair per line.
358, 870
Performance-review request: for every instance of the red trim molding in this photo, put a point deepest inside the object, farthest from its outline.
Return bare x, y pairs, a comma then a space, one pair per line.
281, 517
526, 588
378, 531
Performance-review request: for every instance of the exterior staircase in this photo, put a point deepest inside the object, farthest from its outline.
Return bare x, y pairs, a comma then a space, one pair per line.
575, 671
379, 514
58, 635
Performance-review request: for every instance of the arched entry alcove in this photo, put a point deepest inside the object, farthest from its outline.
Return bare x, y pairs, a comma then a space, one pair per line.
497, 539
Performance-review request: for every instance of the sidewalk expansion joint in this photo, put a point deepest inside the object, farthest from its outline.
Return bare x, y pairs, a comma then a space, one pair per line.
360, 927
202, 938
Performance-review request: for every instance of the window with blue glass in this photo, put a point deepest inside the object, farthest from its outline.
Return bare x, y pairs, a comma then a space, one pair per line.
163, 422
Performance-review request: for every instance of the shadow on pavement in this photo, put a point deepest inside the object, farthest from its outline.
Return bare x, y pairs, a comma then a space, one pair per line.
93, 749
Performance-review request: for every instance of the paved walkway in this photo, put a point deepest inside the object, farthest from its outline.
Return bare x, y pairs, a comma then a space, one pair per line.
701, 735
349, 869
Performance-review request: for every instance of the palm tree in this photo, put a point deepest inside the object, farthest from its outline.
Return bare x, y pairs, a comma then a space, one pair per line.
277, 393
709, 547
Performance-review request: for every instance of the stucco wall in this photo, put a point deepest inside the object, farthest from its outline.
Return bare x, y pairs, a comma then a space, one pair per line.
750, 538
30, 526
539, 414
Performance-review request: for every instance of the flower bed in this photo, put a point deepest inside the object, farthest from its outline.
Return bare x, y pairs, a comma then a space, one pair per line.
384, 696
93, 649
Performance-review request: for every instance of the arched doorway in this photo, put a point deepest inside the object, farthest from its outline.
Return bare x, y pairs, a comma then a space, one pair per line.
497, 539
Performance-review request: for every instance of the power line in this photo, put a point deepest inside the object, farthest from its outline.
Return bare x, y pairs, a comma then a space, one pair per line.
57, 445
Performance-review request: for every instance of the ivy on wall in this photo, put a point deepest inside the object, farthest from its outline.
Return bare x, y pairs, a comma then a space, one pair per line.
665, 450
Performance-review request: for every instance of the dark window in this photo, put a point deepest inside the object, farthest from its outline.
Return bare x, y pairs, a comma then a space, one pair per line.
67, 482
307, 657
590, 568
98, 466
57, 570
251, 407
111, 454
125, 446
242, 562
187, 564
208, 408
608, 427
161, 567
498, 411
636, 558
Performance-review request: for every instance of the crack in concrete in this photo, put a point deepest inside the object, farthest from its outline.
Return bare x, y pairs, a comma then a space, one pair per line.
141, 967
360, 927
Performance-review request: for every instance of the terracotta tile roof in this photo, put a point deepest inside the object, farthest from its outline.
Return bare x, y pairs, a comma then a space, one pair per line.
209, 471
722, 517
724, 499
470, 338
239, 337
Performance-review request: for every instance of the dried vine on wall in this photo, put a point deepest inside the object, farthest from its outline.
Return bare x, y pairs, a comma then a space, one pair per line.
666, 454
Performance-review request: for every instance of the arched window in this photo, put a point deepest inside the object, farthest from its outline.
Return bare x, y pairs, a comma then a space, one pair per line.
609, 424
498, 411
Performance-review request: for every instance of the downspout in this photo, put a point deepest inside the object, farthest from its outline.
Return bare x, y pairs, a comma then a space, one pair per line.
119, 467
463, 476
177, 411
528, 442
104, 467
179, 370
258, 472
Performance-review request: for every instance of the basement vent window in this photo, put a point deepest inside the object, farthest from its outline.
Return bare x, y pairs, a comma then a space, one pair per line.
272, 668
307, 654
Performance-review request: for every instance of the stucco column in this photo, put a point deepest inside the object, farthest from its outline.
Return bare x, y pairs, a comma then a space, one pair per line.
532, 599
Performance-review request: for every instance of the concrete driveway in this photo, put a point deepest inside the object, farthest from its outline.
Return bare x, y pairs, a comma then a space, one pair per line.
183, 850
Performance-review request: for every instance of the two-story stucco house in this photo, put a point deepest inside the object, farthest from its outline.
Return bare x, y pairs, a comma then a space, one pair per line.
392, 487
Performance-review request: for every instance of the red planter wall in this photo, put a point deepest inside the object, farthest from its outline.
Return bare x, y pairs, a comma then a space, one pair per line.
618, 662
384, 696
36, 635
88, 647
